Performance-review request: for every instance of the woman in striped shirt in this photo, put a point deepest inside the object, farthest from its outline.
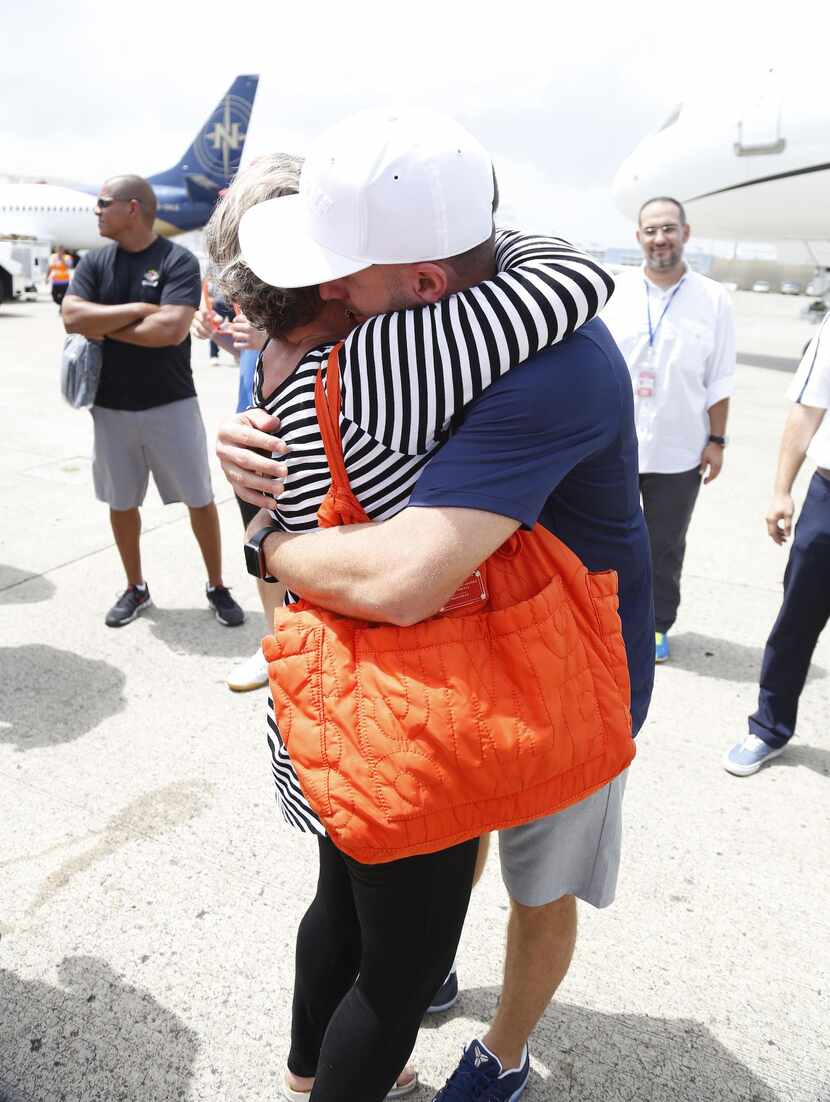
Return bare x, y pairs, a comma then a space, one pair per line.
404, 376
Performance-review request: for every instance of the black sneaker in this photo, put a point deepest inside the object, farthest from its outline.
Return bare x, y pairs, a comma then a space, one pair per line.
227, 610
127, 607
446, 995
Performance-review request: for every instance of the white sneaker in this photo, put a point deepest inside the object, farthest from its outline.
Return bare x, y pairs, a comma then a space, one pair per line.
250, 674
747, 756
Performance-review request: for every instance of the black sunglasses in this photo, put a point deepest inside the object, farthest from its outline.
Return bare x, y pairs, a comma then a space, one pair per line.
104, 202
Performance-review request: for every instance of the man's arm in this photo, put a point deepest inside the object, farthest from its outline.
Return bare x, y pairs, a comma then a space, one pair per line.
517, 442
800, 428
711, 459
167, 326
96, 322
400, 572
719, 380
545, 290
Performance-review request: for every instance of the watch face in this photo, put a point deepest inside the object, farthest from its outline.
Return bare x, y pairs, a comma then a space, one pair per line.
252, 560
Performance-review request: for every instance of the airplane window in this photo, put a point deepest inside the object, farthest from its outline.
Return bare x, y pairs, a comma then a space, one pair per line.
673, 117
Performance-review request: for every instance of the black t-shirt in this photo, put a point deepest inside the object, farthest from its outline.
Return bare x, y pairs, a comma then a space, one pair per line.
166, 274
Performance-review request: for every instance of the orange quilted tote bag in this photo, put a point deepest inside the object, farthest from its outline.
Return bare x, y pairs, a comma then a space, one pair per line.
510, 704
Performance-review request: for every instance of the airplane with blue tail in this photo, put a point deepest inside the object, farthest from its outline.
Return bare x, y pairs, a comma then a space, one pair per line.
186, 193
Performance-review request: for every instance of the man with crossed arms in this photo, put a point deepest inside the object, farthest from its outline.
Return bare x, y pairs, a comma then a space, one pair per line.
553, 441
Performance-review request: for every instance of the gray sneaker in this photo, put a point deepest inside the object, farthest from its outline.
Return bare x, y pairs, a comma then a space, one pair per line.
131, 602
749, 755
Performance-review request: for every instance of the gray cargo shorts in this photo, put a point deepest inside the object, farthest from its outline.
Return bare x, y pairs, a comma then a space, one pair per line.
575, 852
168, 440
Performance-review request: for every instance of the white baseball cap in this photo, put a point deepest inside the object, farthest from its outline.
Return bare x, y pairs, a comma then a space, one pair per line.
378, 188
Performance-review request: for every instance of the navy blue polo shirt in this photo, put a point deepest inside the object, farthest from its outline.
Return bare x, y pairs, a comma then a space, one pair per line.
554, 441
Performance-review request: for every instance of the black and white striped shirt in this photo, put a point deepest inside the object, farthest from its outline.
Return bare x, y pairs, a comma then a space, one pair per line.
404, 376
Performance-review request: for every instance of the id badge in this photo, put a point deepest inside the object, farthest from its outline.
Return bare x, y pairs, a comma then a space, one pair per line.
646, 382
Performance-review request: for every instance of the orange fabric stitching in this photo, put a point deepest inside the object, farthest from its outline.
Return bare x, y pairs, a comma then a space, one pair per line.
407, 735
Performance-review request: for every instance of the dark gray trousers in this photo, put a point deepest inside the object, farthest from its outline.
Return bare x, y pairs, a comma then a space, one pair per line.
668, 502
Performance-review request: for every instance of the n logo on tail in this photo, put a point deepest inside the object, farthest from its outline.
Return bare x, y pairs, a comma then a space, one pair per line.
218, 149
187, 193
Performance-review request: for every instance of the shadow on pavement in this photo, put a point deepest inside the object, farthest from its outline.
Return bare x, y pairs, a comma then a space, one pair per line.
593, 1057
20, 587
52, 696
95, 1038
197, 631
803, 756
720, 658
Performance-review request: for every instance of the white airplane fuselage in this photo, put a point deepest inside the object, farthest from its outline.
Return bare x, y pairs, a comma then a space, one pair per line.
756, 169
186, 194
61, 215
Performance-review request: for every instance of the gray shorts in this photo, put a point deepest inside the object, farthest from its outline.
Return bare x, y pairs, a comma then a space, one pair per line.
575, 852
168, 440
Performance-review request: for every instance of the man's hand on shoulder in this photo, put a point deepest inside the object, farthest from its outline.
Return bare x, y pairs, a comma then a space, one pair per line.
244, 446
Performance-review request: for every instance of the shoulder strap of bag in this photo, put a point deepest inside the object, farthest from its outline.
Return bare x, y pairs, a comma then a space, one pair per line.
340, 506
327, 407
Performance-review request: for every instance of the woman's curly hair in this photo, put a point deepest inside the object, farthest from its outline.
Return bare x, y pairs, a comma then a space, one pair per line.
274, 309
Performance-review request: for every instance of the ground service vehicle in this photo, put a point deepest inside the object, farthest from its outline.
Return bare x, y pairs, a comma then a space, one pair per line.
24, 262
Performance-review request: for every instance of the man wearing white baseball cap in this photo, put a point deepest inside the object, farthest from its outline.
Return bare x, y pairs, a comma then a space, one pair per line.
553, 441
355, 185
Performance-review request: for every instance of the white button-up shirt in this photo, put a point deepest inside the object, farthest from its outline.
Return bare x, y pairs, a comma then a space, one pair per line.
811, 387
688, 366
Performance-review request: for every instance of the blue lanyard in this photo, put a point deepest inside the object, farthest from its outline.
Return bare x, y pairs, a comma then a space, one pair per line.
652, 332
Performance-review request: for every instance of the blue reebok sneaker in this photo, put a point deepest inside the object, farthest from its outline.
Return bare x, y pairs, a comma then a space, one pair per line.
748, 755
661, 646
480, 1076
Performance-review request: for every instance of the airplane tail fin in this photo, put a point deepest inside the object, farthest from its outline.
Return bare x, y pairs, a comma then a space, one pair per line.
213, 159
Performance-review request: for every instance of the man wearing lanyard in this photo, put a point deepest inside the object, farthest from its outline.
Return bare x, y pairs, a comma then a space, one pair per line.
676, 330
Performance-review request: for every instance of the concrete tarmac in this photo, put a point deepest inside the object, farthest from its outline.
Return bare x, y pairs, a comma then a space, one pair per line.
149, 893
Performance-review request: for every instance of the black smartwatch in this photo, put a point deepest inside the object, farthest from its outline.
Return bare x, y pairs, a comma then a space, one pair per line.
722, 440
255, 556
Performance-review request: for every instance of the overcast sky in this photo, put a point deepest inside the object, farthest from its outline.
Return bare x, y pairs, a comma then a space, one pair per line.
559, 98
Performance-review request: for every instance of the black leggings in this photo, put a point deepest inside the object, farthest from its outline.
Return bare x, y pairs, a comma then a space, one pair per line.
372, 949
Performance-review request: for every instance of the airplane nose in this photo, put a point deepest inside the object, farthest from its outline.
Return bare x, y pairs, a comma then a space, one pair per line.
625, 189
